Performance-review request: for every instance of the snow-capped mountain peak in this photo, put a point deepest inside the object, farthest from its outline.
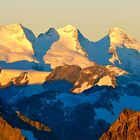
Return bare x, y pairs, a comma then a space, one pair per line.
14, 44
67, 49
15, 32
16, 26
120, 39
67, 29
70, 33
66, 45
45, 97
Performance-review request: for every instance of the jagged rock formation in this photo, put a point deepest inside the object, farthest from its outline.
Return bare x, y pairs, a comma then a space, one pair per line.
95, 75
127, 127
86, 78
21, 78
37, 125
7, 132
67, 72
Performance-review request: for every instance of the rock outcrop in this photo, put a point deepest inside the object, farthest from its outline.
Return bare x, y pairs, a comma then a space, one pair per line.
39, 126
127, 127
7, 132
83, 79
67, 72
21, 78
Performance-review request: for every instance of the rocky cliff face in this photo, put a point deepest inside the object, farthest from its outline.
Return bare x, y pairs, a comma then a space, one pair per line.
10, 131
67, 72
20, 80
21, 77
86, 78
37, 125
7, 132
127, 127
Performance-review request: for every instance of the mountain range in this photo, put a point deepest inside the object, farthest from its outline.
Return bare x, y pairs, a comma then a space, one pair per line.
66, 83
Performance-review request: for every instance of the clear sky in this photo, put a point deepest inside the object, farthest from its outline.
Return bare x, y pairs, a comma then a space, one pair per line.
92, 17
